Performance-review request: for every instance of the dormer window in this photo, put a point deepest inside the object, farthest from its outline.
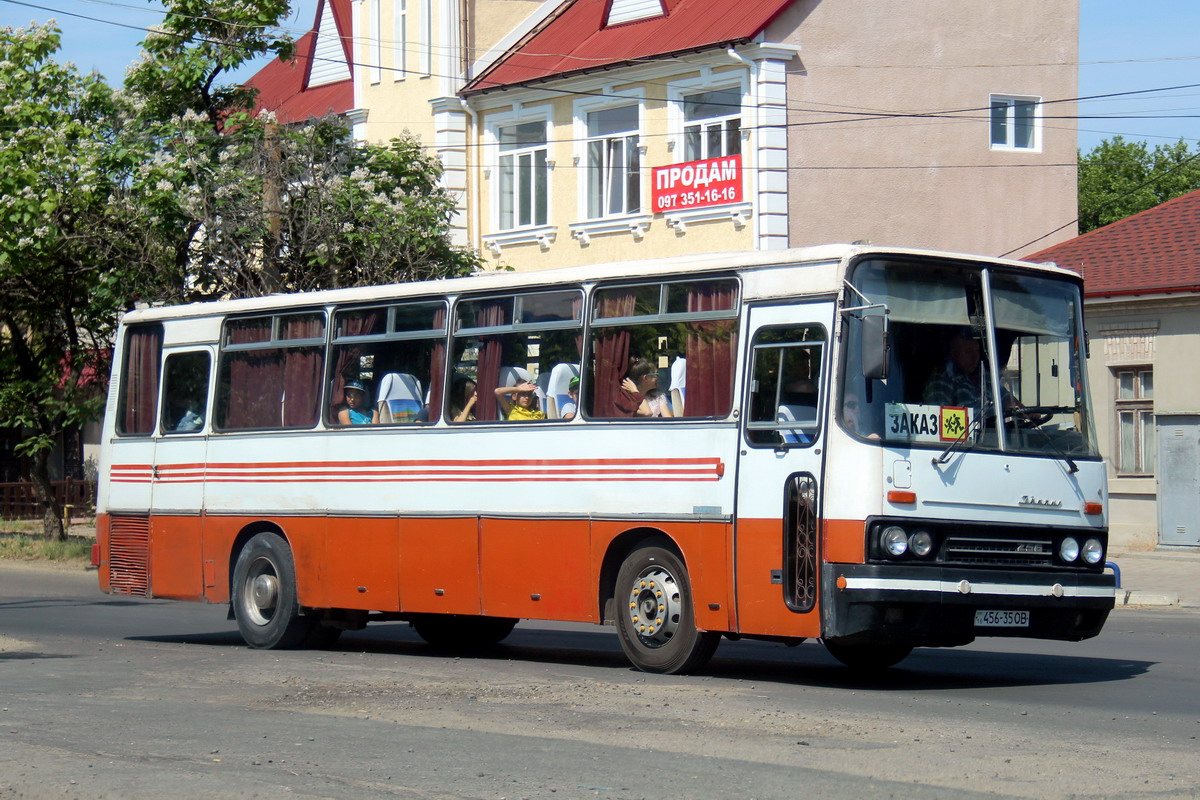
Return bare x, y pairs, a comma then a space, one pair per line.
632, 10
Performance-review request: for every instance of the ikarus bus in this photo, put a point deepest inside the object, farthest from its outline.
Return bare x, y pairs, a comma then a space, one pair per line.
876, 448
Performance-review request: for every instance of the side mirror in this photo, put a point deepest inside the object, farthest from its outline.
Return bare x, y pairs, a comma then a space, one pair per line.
875, 347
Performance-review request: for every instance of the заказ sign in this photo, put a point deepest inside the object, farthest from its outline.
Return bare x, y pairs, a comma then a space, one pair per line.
712, 182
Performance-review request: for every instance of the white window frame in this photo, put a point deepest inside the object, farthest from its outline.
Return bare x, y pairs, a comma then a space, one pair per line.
495, 125
1138, 406
678, 124
374, 43
535, 232
1011, 102
400, 34
426, 49
635, 221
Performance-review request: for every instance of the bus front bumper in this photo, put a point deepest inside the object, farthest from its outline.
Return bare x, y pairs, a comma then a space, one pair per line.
929, 606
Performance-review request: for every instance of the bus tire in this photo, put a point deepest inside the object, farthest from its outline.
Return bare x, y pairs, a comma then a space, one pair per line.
264, 595
462, 632
655, 619
868, 657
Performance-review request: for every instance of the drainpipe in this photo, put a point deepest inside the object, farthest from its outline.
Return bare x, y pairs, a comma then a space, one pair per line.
756, 135
472, 170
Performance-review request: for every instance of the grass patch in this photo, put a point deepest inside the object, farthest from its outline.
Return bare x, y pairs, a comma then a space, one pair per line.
23, 547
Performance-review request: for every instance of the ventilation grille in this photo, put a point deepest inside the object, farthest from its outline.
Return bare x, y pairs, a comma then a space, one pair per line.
129, 555
998, 552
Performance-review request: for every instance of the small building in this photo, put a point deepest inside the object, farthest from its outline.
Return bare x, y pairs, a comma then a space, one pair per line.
1142, 299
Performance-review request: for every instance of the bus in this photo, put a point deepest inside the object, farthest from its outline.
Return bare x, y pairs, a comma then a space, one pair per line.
877, 448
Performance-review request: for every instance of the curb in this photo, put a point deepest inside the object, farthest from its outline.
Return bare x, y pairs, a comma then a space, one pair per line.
1136, 597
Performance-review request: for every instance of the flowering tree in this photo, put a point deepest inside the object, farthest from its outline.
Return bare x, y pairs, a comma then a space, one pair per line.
171, 190
65, 242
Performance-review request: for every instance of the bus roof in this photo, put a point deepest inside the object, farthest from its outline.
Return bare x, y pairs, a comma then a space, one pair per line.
501, 281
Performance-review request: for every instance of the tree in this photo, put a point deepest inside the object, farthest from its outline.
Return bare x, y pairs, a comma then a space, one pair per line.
171, 190
1118, 178
247, 206
64, 241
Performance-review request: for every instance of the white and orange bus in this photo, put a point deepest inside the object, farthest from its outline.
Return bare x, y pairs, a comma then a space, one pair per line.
783, 445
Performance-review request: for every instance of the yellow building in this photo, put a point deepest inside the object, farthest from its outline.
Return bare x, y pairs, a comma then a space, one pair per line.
584, 131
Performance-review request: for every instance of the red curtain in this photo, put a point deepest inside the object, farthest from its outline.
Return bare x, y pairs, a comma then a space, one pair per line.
437, 369
139, 388
491, 352
610, 353
710, 351
302, 369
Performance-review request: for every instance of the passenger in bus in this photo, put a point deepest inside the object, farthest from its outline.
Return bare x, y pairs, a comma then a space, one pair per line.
464, 397
519, 403
642, 383
353, 409
571, 407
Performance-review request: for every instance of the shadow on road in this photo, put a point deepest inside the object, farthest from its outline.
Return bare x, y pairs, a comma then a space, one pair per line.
926, 670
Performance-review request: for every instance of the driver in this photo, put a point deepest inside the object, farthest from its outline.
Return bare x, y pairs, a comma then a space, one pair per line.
959, 382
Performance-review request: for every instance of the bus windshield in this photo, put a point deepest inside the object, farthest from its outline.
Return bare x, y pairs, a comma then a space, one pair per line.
948, 324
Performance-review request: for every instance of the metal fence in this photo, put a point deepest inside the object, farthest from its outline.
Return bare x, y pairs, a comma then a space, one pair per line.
18, 500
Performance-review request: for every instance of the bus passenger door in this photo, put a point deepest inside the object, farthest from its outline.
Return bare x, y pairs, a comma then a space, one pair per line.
179, 470
779, 469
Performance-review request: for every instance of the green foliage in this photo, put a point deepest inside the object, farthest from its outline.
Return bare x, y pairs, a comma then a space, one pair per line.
169, 191
1118, 179
20, 547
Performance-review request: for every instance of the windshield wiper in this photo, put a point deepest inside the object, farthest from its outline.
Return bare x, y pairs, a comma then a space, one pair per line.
1071, 465
975, 426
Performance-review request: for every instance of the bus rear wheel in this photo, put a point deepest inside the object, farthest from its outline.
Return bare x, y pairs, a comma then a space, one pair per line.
460, 632
868, 657
655, 620
265, 603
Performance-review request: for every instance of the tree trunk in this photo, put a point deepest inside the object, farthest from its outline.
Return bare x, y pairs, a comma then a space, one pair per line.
43, 488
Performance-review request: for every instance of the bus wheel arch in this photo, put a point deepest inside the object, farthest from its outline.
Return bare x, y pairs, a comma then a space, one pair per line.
655, 611
263, 592
618, 550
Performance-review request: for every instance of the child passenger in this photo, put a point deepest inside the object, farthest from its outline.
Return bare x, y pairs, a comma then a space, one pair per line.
519, 403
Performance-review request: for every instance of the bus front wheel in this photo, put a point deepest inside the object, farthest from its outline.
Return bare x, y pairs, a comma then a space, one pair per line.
655, 620
264, 595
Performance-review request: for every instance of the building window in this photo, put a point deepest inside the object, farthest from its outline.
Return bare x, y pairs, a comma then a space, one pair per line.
712, 124
614, 162
523, 186
1135, 421
1015, 123
400, 52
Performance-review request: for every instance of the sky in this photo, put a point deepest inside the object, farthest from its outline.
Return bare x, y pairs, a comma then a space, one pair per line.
1124, 47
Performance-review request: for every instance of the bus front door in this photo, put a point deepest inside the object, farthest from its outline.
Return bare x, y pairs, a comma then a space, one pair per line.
779, 470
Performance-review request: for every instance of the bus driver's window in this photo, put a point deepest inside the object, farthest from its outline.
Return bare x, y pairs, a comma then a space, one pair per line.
785, 385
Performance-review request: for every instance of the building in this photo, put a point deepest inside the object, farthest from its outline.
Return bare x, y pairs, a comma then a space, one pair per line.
595, 130
1142, 298
319, 79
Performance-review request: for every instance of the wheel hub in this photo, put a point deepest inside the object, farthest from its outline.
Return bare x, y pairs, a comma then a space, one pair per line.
654, 606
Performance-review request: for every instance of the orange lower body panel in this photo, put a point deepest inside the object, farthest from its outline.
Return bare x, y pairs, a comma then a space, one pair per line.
523, 568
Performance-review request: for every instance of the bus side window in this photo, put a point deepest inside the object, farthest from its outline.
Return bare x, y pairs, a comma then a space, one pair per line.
137, 405
507, 341
785, 380
185, 392
651, 342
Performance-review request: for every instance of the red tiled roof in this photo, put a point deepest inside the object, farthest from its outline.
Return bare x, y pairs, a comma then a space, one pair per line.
283, 85
1154, 252
574, 38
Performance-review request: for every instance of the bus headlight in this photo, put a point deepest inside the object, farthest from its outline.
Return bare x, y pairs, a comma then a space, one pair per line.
1093, 551
894, 541
921, 544
1068, 550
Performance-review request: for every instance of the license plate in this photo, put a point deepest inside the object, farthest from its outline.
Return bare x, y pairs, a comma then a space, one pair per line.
1002, 619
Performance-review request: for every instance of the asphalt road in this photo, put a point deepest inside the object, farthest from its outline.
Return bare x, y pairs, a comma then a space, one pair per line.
115, 697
